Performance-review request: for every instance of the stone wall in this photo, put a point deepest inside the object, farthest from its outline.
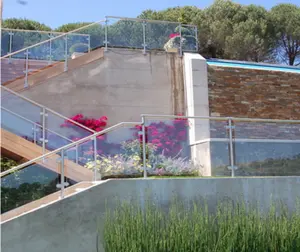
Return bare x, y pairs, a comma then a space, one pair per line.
253, 93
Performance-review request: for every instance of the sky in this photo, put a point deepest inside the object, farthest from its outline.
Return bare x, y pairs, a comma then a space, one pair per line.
57, 12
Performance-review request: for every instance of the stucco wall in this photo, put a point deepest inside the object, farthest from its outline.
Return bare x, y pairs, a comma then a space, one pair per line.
71, 224
121, 86
253, 93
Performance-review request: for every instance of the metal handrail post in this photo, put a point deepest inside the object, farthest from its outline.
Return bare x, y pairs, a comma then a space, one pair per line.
43, 139
106, 30
144, 37
62, 184
196, 37
230, 127
144, 146
26, 69
34, 133
66, 54
89, 43
95, 157
10, 33
50, 49
180, 46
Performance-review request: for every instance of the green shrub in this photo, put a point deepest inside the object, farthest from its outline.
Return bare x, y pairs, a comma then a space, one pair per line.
7, 163
192, 228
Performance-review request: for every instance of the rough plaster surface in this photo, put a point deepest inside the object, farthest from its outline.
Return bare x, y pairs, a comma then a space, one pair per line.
122, 86
71, 224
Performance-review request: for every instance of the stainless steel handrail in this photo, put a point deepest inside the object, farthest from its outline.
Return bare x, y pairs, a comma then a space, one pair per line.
91, 137
46, 41
148, 20
34, 123
222, 118
46, 108
36, 31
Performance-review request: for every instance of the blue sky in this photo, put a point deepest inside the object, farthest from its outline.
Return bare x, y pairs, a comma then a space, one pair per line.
57, 12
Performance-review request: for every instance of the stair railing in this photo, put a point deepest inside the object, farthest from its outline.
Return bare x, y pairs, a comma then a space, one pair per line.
19, 111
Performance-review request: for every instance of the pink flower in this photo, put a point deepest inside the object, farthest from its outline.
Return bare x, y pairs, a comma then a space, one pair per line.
173, 35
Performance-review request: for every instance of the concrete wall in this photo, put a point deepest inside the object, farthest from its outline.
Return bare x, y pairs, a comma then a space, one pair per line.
196, 92
71, 224
121, 86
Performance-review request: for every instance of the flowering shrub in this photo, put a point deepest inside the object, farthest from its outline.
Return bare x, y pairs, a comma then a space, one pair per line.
167, 138
116, 165
91, 123
162, 165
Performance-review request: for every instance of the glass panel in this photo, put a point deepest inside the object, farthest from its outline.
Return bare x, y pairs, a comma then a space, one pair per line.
4, 42
96, 34
57, 51
13, 68
64, 128
189, 42
31, 183
23, 39
118, 154
125, 33
16, 125
78, 43
169, 148
219, 147
19, 106
267, 149
162, 36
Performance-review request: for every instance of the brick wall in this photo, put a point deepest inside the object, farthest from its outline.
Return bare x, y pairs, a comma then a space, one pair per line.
253, 93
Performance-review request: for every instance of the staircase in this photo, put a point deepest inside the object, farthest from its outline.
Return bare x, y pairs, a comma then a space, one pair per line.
30, 130
40, 71
51, 163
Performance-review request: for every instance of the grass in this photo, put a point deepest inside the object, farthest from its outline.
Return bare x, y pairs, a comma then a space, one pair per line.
181, 228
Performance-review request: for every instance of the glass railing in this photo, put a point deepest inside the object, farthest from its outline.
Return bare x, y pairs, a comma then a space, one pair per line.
36, 123
180, 146
267, 148
114, 152
13, 40
113, 32
226, 146
164, 145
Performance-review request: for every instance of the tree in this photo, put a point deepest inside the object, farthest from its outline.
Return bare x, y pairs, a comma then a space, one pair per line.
24, 24
251, 37
71, 26
285, 19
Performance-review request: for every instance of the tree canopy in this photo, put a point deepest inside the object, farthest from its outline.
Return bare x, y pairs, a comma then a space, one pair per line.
24, 24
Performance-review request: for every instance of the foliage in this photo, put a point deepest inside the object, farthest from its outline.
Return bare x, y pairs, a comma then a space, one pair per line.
286, 23
116, 165
14, 197
91, 123
71, 26
24, 24
188, 227
168, 137
7, 163
130, 162
226, 30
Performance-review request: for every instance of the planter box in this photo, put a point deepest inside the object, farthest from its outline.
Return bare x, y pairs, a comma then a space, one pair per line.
172, 50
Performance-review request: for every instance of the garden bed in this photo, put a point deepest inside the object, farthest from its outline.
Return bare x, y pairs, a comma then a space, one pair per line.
193, 228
